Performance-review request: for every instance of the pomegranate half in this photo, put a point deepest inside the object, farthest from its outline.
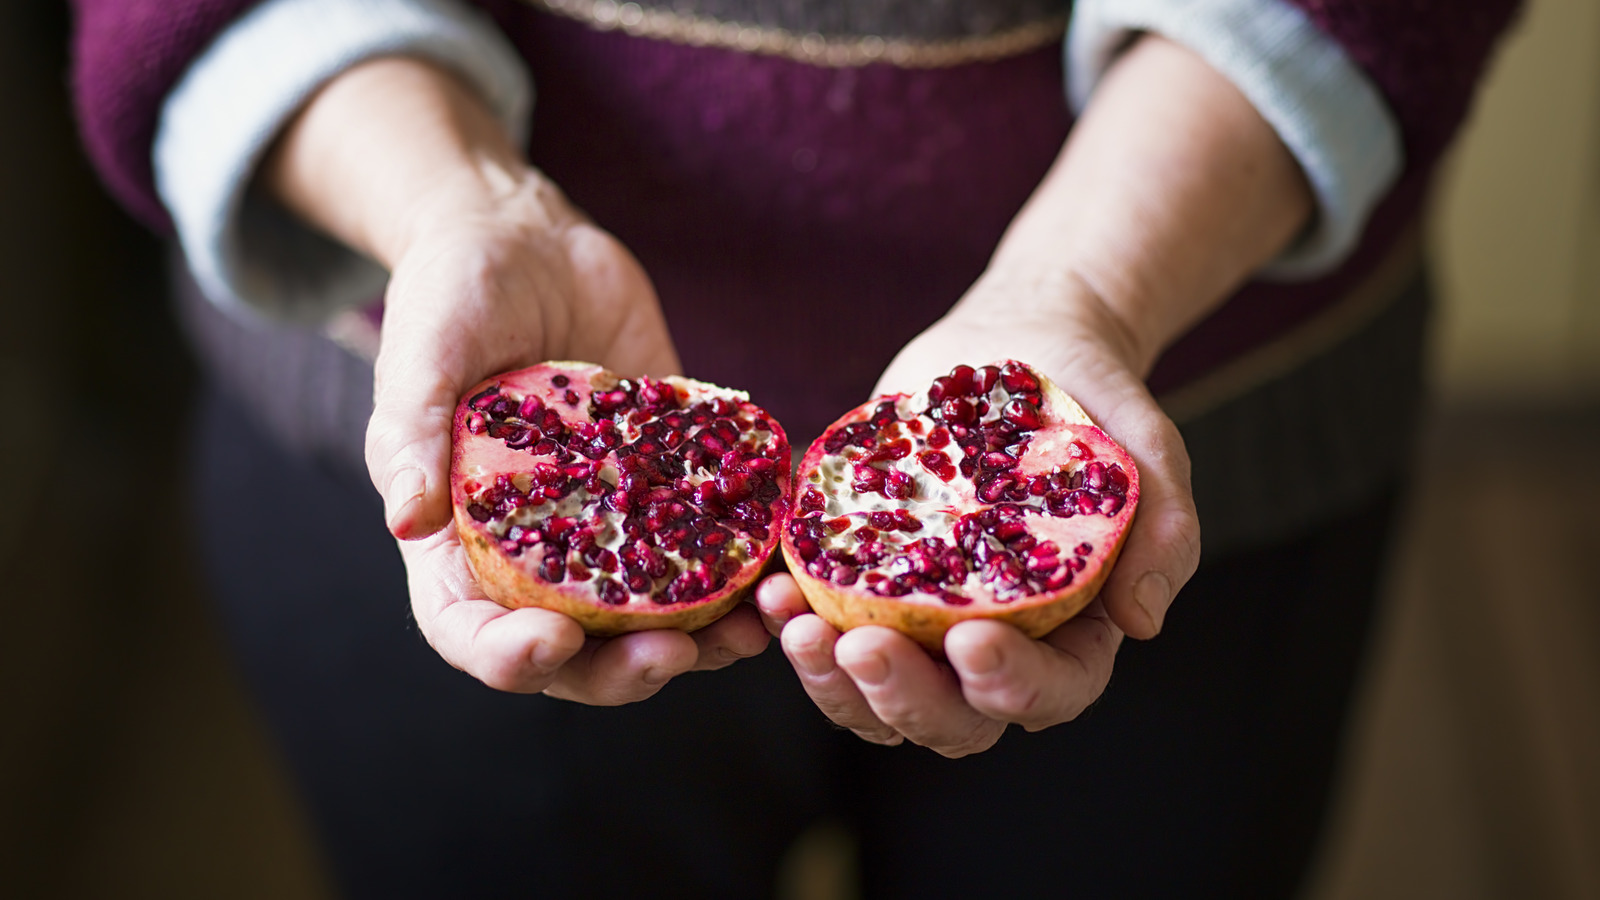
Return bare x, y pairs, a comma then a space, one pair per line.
626, 504
989, 495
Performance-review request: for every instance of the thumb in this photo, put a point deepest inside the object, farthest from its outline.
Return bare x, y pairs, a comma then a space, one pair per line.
1163, 547
408, 447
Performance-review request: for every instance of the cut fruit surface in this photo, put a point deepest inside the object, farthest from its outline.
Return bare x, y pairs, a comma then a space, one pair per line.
991, 494
627, 504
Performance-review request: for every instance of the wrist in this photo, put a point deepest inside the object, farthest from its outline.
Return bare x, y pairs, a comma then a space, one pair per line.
387, 147
1065, 300
484, 195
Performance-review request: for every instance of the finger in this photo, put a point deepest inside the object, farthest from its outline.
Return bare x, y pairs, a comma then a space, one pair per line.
509, 650
1008, 676
911, 693
737, 635
624, 669
1163, 546
408, 439
809, 642
779, 599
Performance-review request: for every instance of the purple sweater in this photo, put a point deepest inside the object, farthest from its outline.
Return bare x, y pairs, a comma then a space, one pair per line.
691, 156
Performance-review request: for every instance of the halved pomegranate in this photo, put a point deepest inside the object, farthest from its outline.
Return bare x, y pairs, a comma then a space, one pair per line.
625, 503
989, 495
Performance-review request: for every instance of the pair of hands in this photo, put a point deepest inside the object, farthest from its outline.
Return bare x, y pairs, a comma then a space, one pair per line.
1171, 190
528, 278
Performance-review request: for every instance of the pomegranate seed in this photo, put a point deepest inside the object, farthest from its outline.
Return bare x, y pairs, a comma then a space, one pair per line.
993, 490
868, 479
961, 380
997, 460
899, 449
844, 575
1044, 563
938, 438
987, 376
475, 423
1116, 479
941, 389
552, 568
884, 414
1017, 378
958, 411
485, 398
900, 485
1094, 476
560, 381
938, 464
1111, 504
1010, 530
812, 500
735, 486
1022, 413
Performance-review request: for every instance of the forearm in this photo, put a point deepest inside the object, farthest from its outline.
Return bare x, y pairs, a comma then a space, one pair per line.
387, 148
1170, 192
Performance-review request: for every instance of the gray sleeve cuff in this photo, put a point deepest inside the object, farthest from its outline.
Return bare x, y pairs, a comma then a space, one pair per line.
1321, 104
246, 253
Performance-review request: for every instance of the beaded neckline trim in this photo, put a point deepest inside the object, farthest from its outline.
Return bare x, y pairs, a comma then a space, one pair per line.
832, 51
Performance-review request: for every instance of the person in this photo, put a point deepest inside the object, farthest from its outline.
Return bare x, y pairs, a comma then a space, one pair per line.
717, 188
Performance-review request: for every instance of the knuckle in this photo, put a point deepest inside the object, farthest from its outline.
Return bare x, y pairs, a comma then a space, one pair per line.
886, 737
1017, 705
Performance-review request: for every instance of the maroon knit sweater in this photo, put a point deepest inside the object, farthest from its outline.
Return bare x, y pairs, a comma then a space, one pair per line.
686, 153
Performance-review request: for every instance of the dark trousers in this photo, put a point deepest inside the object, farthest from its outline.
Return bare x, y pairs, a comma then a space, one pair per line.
1203, 772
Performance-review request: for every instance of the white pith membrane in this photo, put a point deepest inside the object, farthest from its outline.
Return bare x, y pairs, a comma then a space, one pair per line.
937, 505
525, 533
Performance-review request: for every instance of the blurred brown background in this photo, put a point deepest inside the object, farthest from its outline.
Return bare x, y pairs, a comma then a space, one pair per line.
131, 765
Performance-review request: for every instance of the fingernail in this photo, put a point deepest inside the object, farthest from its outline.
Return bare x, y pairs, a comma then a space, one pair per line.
871, 669
654, 676
1153, 592
405, 491
980, 660
814, 660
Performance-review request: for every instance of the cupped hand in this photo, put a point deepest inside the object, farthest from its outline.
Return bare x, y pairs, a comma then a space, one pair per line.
485, 285
887, 689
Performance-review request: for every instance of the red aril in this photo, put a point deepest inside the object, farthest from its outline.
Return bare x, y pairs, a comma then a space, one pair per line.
989, 495
625, 503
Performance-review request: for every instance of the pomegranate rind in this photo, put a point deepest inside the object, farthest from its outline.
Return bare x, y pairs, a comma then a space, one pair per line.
512, 581
925, 617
